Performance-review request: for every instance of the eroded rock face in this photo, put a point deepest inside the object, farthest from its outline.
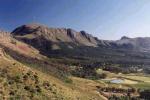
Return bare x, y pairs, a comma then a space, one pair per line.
55, 34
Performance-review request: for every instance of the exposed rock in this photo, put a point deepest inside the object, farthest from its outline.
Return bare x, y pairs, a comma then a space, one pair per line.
47, 39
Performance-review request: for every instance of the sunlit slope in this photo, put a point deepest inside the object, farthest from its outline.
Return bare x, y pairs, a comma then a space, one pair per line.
19, 81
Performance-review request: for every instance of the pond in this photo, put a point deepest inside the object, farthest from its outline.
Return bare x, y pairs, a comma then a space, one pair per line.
117, 81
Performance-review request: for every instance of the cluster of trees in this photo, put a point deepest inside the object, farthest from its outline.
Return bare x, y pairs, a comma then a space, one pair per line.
147, 70
117, 90
116, 68
88, 72
127, 93
114, 97
145, 94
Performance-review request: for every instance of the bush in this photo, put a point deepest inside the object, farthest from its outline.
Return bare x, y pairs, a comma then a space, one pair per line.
38, 89
11, 82
68, 80
17, 78
12, 93
25, 77
27, 88
103, 75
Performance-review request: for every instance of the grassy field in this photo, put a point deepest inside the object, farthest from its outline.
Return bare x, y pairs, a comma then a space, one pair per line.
130, 80
143, 82
138, 78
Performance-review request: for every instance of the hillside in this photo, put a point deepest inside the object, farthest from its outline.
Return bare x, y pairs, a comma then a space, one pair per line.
26, 74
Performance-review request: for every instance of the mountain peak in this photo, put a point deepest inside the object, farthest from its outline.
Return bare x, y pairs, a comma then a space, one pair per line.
34, 25
124, 37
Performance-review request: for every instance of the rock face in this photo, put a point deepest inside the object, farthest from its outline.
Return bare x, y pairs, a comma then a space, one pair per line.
55, 35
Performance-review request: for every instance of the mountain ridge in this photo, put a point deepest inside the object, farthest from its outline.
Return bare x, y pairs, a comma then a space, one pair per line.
69, 36
56, 34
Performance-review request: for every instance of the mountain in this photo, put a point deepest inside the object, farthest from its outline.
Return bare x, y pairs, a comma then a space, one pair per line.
32, 31
63, 42
139, 43
40, 35
56, 40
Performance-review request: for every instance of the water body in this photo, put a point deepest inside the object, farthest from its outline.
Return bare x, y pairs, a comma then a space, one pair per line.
117, 81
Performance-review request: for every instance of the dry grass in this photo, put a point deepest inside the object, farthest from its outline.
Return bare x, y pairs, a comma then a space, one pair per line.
60, 90
138, 78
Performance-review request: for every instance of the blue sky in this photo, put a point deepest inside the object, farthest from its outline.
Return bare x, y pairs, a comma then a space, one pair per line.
106, 19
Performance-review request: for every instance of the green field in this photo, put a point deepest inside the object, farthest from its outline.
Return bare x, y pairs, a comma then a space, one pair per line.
139, 81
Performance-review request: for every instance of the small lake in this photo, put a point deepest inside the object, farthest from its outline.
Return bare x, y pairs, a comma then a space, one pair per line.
117, 81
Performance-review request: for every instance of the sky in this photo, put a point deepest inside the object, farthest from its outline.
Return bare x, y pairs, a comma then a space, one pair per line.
105, 19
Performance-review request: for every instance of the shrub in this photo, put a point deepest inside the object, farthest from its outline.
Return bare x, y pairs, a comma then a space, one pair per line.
27, 88
12, 93
11, 82
38, 89
17, 78
67, 80
46, 84
25, 77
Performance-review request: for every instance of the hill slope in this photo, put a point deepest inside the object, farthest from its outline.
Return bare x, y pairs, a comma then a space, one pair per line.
21, 79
